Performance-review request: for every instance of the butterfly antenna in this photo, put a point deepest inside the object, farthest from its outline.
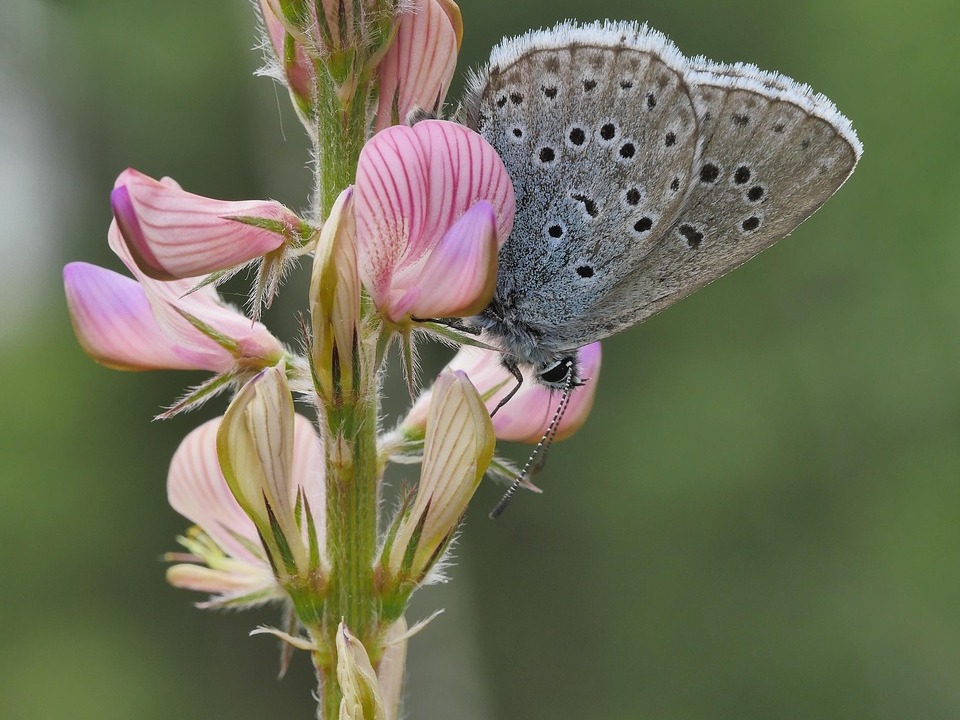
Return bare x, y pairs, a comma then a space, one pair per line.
539, 452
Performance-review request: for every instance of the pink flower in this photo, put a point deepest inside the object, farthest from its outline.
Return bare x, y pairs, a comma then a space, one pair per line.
175, 234
433, 204
528, 413
418, 67
147, 324
230, 562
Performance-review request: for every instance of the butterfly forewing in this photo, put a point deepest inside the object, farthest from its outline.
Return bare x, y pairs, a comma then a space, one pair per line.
640, 175
593, 136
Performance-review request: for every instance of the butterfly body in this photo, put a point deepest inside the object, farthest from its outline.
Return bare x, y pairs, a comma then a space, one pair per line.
640, 176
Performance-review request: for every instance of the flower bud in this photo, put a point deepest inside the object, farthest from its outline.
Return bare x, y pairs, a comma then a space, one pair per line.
296, 68
173, 234
147, 324
255, 444
344, 40
335, 301
226, 557
358, 681
458, 448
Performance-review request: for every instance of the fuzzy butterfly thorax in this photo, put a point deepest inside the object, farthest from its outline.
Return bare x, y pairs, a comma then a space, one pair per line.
640, 176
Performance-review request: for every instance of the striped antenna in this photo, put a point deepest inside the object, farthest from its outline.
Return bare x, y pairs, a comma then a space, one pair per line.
539, 452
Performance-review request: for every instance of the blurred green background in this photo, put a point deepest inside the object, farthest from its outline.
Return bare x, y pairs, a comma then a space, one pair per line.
760, 520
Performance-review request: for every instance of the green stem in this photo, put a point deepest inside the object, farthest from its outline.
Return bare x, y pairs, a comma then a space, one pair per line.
352, 500
328, 691
352, 468
341, 133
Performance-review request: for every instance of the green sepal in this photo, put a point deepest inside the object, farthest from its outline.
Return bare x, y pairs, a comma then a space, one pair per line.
227, 343
457, 338
275, 226
313, 544
199, 394
394, 528
295, 11
411, 551
308, 601
282, 544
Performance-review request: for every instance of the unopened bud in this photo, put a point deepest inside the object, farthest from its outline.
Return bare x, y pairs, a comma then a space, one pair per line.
255, 444
335, 302
357, 679
458, 448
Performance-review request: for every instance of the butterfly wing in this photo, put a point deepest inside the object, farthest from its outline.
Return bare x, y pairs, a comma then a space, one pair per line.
687, 169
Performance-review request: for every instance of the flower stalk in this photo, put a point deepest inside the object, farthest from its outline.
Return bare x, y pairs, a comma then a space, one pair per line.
405, 225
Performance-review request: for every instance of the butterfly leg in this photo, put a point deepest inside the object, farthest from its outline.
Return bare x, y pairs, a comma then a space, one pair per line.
515, 371
453, 323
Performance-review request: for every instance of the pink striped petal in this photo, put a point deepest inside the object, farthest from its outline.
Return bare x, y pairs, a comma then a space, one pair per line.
413, 185
257, 347
175, 234
197, 490
416, 71
459, 275
115, 326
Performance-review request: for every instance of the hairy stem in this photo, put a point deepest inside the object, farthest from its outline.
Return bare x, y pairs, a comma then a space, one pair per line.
352, 469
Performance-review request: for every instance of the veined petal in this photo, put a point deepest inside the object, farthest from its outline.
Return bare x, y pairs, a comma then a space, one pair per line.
255, 344
197, 490
309, 471
392, 668
459, 275
224, 583
418, 67
175, 234
413, 184
116, 327
389, 205
335, 297
455, 17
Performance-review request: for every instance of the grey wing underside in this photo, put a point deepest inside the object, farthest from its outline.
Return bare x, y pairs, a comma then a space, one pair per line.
726, 160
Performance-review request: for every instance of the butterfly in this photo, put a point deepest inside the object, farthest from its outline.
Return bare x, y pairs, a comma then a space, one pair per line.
640, 176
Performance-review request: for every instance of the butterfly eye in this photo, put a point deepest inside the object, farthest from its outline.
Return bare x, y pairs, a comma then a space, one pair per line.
557, 375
